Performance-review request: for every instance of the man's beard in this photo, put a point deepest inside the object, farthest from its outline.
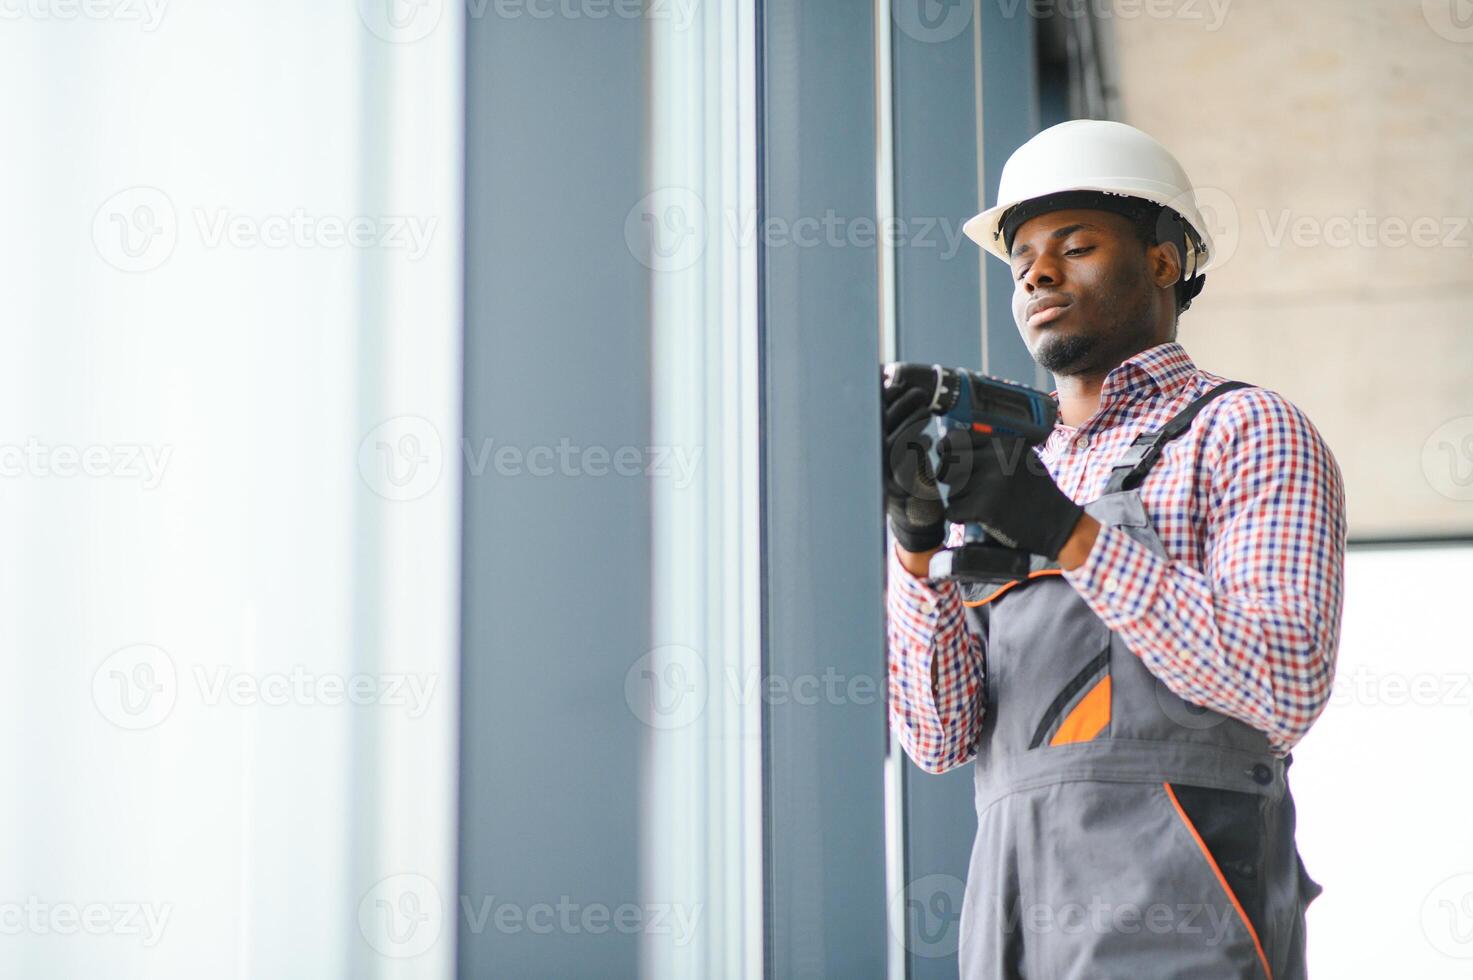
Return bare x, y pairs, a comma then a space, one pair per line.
1071, 355
1066, 355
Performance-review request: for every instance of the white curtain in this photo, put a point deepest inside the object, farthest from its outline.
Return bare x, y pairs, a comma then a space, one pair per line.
229, 488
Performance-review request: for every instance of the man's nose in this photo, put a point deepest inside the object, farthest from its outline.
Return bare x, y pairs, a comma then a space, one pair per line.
1043, 272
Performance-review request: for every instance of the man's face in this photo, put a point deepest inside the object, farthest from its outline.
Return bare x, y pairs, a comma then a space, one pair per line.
1084, 290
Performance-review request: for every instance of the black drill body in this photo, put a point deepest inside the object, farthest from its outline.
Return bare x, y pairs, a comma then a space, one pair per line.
962, 401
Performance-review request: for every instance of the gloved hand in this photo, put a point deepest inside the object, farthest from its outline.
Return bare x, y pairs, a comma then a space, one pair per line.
1000, 483
912, 501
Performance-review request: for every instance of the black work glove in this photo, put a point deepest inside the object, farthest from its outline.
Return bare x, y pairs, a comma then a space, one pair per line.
1000, 483
912, 501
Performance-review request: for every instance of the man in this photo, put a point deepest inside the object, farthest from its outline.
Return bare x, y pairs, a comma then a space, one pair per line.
1131, 706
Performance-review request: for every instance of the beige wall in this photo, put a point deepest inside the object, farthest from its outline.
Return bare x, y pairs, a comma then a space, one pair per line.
1319, 114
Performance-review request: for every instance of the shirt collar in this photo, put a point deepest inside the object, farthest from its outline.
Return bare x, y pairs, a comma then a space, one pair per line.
1164, 368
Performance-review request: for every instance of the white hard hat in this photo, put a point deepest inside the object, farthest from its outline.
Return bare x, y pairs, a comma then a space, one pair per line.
1098, 156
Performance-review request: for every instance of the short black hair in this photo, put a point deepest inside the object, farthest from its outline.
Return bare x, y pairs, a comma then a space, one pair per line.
1156, 224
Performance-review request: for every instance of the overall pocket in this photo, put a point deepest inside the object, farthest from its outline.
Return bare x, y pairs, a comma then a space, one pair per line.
1228, 829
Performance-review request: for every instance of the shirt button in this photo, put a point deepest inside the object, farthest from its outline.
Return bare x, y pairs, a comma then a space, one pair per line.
1081, 442
928, 607
1112, 584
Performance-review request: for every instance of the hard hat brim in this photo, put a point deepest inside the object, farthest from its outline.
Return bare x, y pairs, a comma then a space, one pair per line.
985, 228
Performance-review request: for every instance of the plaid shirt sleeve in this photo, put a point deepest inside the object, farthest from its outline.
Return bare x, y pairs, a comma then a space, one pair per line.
935, 672
1252, 633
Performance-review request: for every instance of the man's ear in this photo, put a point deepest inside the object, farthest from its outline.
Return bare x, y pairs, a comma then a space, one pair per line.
1164, 262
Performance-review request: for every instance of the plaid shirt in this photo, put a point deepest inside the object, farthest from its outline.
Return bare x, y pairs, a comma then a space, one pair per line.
1244, 618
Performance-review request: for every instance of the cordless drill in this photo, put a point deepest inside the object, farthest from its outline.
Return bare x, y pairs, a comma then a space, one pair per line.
963, 401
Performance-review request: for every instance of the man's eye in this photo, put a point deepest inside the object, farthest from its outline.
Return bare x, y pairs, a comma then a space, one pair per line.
1080, 250
1023, 272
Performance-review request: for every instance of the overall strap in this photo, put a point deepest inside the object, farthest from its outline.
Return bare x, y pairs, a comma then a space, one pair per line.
1142, 454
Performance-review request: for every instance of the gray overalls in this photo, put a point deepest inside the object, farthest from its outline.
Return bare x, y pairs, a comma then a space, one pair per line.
1121, 831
